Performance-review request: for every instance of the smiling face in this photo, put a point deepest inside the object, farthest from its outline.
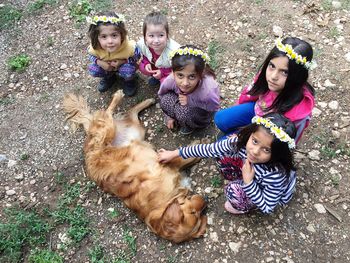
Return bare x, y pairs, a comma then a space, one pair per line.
277, 73
109, 38
156, 37
187, 78
259, 146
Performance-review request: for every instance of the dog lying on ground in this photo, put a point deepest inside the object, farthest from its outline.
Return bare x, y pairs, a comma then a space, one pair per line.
120, 161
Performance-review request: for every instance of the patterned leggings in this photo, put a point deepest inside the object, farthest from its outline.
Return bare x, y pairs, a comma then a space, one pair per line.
230, 168
184, 116
125, 71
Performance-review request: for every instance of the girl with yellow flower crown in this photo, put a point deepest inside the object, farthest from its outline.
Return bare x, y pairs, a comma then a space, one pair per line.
189, 96
111, 52
281, 85
258, 163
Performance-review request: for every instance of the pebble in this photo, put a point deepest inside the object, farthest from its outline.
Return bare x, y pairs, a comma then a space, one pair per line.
277, 31
63, 66
316, 112
3, 157
333, 105
11, 163
314, 155
347, 57
336, 4
214, 237
235, 246
10, 192
328, 84
311, 228
320, 208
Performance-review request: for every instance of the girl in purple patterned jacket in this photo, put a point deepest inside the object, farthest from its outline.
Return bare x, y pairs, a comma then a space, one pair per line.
189, 96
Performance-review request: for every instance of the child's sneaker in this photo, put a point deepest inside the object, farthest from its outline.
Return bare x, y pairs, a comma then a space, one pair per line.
106, 83
186, 130
153, 82
130, 87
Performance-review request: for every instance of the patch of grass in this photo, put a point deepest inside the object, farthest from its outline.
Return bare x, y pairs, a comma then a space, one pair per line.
214, 49
122, 257
102, 5
216, 181
130, 240
335, 179
44, 256
19, 62
80, 9
334, 32
22, 228
112, 213
96, 254
60, 178
244, 44
49, 41
172, 259
159, 128
8, 16
24, 156
326, 5
6, 101
39, 4
330, 148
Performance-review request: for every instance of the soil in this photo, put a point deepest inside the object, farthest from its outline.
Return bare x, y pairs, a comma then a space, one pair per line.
36, 144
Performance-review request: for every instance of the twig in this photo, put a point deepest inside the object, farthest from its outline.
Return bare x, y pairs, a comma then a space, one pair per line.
333, 213
82, 168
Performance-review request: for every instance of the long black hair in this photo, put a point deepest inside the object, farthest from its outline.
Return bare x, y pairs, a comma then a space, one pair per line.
202, 68
281, 155
292, 93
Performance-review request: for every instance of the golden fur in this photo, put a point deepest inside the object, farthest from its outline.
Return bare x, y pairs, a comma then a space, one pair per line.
123, 164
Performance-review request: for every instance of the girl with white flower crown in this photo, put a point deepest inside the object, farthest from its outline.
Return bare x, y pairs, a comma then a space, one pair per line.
281, 85
111, 52
155, 47
258, 163
189, 96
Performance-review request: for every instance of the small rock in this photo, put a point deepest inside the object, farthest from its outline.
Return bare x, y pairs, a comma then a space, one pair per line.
19, 177
314, 155
63, 66
277, 31
3, 157
336, 4
329, 84
214, 236
235, 246
333, 105
316, 112
311, 228
10, 192
347, 57
11, 163
320, 208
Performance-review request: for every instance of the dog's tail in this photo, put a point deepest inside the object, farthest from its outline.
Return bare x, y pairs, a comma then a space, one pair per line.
78, 111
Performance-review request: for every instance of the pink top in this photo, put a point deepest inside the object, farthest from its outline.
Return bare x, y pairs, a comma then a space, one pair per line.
298, 112
163, 71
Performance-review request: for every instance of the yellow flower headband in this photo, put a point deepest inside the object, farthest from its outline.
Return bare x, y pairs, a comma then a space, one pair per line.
276, 131
288, 49
105, 19
190, 51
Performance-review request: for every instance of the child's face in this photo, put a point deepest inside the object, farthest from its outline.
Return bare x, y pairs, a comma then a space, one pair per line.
277, 73
109, 38
156, 37
259, 146
187, 79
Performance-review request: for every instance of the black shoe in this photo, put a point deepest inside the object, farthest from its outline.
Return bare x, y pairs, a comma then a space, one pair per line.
106, 83
130, 87
153, 82
186, 130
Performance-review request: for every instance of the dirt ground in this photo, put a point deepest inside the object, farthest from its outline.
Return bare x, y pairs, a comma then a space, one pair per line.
314, 227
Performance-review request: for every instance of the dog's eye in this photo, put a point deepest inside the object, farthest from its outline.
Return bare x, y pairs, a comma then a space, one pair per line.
182, 203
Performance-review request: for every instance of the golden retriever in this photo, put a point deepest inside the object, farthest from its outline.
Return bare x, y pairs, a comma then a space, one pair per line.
123, 164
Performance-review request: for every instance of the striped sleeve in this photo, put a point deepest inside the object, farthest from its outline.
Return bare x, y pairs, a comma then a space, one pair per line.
268, 194
215, 149
92, 58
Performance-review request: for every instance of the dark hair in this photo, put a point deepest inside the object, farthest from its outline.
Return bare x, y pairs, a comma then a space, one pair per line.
178, 62
155, 18
281, 155
94, 30
292, 93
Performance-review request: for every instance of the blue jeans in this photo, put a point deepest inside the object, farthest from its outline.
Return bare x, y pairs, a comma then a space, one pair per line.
229, 120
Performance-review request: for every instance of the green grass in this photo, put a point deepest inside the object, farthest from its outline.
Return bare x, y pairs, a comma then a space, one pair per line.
216, 181
44, 256
112, 213
214, 51
6, 101
22, 228
24, 156
333, 32
96, 254
331, 148
8, 16
80, 9
39, 5
19, 62
130, 240
102, 5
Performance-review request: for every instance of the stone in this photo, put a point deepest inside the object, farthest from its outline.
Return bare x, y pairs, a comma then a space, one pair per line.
320, 208
277, 31
10, 192
336, 4
316, 112
333, 105
314, 155
235, 246
329, 84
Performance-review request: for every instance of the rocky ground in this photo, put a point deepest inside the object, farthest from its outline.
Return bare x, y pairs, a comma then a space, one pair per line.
38, 151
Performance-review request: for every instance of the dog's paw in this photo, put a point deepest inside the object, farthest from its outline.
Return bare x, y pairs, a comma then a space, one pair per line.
119, 93
151, 101
205, 140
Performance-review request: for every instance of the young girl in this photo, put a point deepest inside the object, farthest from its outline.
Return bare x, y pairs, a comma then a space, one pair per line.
280, 86
189, 96
258, 162
111, 52
155, 47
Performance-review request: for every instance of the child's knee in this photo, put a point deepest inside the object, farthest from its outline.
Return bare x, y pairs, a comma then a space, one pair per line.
127, 71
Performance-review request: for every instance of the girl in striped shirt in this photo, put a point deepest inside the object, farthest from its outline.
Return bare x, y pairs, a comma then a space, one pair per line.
258, 163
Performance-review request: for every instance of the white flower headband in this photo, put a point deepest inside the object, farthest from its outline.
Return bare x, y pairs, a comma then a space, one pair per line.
190, 51
105, 19
288, 49
276, 131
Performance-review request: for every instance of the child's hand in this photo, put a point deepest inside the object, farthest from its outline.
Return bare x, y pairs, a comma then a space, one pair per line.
149, 69
247, 172
183, 99
157, 74
105, 65
117, 63
165, 156
170, 123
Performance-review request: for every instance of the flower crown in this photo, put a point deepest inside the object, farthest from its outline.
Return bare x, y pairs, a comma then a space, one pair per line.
288, 49
279, 133
105, 19
190, 51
